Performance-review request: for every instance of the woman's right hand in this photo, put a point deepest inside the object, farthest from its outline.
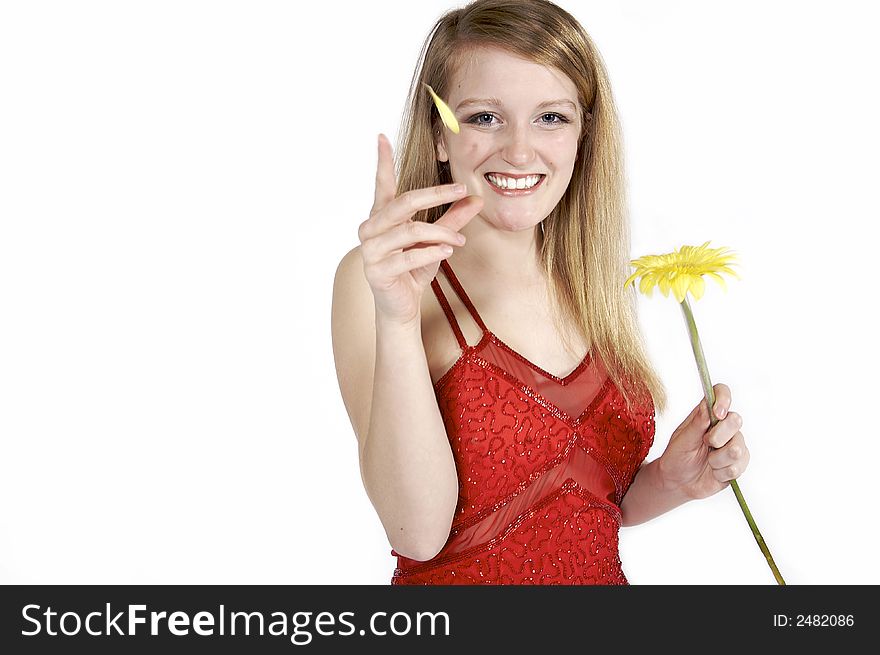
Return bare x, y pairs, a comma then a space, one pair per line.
401, 256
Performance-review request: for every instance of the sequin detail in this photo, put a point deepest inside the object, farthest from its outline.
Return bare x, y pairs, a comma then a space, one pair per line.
543, 464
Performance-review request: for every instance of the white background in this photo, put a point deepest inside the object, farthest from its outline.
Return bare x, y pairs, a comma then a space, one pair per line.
179, 180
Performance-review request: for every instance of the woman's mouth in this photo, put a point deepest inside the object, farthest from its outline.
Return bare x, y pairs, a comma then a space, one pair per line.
520, 185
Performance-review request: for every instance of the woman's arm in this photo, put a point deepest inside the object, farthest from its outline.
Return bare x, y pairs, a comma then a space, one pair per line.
406, 462
650, 495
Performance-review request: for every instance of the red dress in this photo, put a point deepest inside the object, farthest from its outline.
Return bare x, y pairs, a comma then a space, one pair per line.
543, 463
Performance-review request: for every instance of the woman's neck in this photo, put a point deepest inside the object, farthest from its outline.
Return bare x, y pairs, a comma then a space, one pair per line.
500, 254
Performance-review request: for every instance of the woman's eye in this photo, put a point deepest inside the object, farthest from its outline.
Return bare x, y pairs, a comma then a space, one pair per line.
477, 117
560, 118
550, 118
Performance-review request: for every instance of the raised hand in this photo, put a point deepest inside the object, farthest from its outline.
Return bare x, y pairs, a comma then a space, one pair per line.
401, 256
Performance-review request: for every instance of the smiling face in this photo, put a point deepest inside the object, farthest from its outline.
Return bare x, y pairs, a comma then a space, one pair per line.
520, 124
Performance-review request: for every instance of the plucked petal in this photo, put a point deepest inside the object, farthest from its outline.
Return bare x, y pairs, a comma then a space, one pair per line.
446, 114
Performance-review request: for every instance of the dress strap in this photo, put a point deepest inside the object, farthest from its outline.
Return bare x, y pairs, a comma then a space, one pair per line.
447, 308
447, 269
450, 315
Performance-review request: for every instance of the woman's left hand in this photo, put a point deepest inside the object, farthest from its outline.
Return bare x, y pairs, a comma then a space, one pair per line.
689, 464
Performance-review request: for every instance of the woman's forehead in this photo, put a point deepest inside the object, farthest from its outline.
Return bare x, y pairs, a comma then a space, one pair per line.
493, 73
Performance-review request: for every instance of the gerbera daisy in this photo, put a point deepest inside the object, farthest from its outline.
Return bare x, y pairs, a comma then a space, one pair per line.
682, 270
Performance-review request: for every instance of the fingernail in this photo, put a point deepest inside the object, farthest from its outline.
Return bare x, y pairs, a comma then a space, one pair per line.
460, 238
720, 411
459, 188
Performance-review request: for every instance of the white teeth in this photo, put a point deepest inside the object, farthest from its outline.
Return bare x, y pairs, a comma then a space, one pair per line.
511, 183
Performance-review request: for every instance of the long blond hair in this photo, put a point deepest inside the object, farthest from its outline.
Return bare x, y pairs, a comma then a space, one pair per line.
586, 245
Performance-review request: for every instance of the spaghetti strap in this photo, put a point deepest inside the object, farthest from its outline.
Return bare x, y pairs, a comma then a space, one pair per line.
450, 316
462, 295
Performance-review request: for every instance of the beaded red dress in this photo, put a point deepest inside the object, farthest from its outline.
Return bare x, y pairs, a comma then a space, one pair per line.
543, 464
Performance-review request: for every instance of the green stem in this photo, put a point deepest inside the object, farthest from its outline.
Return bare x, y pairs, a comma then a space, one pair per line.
710, 400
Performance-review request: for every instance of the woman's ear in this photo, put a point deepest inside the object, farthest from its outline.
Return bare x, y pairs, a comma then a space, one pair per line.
442, 155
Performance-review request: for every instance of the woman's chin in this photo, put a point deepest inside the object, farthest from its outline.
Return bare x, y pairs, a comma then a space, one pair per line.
513, 223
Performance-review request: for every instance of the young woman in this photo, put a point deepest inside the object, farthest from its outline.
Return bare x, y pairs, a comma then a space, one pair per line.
504, 418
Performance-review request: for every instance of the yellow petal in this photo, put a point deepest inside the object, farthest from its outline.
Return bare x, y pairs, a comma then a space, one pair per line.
664, 285
680, 286
446, 114
697, 287
720, 280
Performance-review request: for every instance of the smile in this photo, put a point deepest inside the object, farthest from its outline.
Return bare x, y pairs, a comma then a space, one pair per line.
514, 186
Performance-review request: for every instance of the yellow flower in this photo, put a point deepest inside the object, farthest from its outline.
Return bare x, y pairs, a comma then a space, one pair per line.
446, 114
682, 270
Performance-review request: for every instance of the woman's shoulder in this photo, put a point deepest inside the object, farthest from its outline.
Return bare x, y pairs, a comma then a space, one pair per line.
352, 303
351, 261
351, 291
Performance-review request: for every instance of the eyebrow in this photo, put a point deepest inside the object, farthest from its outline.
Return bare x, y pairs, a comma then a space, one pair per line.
495, 102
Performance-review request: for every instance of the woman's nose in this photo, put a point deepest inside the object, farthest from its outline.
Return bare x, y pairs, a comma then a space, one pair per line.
517, 150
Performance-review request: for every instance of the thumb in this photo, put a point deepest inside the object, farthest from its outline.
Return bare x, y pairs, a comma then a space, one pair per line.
694, 427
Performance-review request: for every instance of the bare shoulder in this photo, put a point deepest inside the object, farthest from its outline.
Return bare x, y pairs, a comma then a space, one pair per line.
350, 273
353, 327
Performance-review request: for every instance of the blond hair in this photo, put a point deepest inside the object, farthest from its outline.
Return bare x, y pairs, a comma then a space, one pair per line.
586, 244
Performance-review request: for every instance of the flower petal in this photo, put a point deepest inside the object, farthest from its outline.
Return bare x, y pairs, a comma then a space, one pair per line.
680, 286
719, 279
446, 114
697, 287
663, 281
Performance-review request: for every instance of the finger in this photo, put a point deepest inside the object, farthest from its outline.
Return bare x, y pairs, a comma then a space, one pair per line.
412, 233
734, 452
699, 417
408, 260
723, 431
461, 213
728, 473
386, 181
404, 206
722, 400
